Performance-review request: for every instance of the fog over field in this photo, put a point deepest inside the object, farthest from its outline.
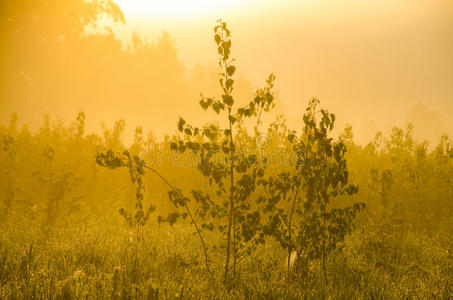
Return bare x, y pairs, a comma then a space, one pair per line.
375, 63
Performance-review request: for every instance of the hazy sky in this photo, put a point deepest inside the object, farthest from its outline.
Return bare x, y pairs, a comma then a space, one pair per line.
373, 62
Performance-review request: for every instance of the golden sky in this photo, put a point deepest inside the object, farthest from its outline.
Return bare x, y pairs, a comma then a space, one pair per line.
375, 63
372, 61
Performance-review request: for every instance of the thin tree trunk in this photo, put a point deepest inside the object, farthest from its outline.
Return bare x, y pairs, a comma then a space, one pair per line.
290, 248
231, 215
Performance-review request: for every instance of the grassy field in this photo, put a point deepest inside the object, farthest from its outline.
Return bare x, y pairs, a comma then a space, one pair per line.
62, 236
86, 260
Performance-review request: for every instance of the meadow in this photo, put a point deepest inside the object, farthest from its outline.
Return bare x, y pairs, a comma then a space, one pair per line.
63, 236
215, 209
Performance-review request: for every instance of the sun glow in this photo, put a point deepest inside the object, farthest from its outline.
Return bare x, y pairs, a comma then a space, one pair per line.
165, 9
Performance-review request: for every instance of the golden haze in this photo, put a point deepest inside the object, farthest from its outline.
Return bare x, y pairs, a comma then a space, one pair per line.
375, 63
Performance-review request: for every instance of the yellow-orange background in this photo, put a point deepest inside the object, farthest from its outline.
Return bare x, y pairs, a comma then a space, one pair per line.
375, 64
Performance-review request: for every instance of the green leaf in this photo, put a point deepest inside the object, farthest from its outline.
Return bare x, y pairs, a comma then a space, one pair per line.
217, 39
226, 45
230, 70
181, 123
188, 131
229, 83
204, 104
207, 132
228, 100
216, 107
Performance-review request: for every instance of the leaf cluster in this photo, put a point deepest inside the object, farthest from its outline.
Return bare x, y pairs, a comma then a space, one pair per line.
136, 167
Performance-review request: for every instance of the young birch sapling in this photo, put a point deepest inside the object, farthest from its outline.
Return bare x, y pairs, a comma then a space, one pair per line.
234, 175
304, 221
